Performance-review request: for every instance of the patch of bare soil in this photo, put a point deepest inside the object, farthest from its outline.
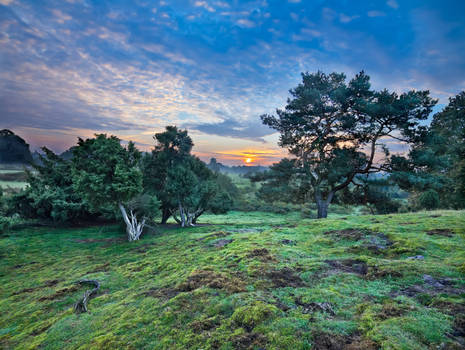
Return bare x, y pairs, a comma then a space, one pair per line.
326, 341
349, 265
50, 283
440, 232
249, 341
60, 293
432, 287
288, 242
211, 279
456, 310
199, 326
164, 293
285, 277
261, 253
349, 233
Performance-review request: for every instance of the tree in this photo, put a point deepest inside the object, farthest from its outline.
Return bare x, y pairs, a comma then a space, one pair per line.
434, 169
336, 129
50, 194
107, 175
172, 147
283, 182
184, 184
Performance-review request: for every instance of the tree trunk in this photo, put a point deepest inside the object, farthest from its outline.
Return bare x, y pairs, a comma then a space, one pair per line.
166, 213
322, 209
182, 215
133, 227
323, 205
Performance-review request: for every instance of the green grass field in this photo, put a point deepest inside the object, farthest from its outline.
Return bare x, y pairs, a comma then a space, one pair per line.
247, 281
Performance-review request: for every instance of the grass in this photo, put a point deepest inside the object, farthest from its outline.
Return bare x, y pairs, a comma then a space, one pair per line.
248, 280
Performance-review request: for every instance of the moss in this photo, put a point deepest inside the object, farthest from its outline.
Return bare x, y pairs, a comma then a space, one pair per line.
250, 316
172, 290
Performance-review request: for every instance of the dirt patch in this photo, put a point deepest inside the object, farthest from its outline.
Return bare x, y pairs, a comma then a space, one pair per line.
164, 293
221, 243
60, 293
199, 326
350, 233
430, 287
249, 341
392, 310
288, 242
211, 279
326, 341
261, 253
384, 271
50, 283
440, 232
285, 277
349, 265
456, 310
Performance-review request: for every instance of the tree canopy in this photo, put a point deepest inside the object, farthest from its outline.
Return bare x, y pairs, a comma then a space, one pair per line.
335, 129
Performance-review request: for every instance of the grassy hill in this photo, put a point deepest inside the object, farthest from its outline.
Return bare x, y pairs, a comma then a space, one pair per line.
247, 281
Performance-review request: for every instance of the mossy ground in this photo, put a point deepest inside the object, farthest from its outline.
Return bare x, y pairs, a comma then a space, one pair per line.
274, 282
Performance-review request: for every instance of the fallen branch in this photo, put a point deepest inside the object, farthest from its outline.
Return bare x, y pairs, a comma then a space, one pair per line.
81, 305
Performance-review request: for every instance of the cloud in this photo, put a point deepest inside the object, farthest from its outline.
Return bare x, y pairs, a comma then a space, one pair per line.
245, 23
393, 4
249, 129
346, 19
375, 13
205, 5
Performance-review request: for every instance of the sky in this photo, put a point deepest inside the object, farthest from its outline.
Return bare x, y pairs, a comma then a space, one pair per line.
74, 68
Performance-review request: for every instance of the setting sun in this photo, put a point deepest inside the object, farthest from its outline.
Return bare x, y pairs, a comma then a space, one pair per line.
248, 160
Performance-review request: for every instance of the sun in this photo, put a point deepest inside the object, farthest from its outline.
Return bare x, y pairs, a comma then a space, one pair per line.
248, 160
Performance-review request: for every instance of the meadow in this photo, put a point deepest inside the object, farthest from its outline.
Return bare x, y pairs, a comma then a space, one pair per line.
240, 281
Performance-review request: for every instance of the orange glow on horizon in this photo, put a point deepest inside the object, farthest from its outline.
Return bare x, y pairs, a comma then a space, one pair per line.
248, 160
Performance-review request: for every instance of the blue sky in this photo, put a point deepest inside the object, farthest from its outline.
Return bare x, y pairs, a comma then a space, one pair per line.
73, 68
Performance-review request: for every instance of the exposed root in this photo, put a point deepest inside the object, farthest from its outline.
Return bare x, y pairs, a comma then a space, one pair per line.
81, 305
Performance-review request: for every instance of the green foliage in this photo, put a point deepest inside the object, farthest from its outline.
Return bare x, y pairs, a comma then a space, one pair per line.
104, 173
183, 182
436, 162
328, 125
429, 200
50, 194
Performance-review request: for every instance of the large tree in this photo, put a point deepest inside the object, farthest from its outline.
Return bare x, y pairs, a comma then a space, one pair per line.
107, 176
172, 148
435, 166
184, 184
50, 194
335, 129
